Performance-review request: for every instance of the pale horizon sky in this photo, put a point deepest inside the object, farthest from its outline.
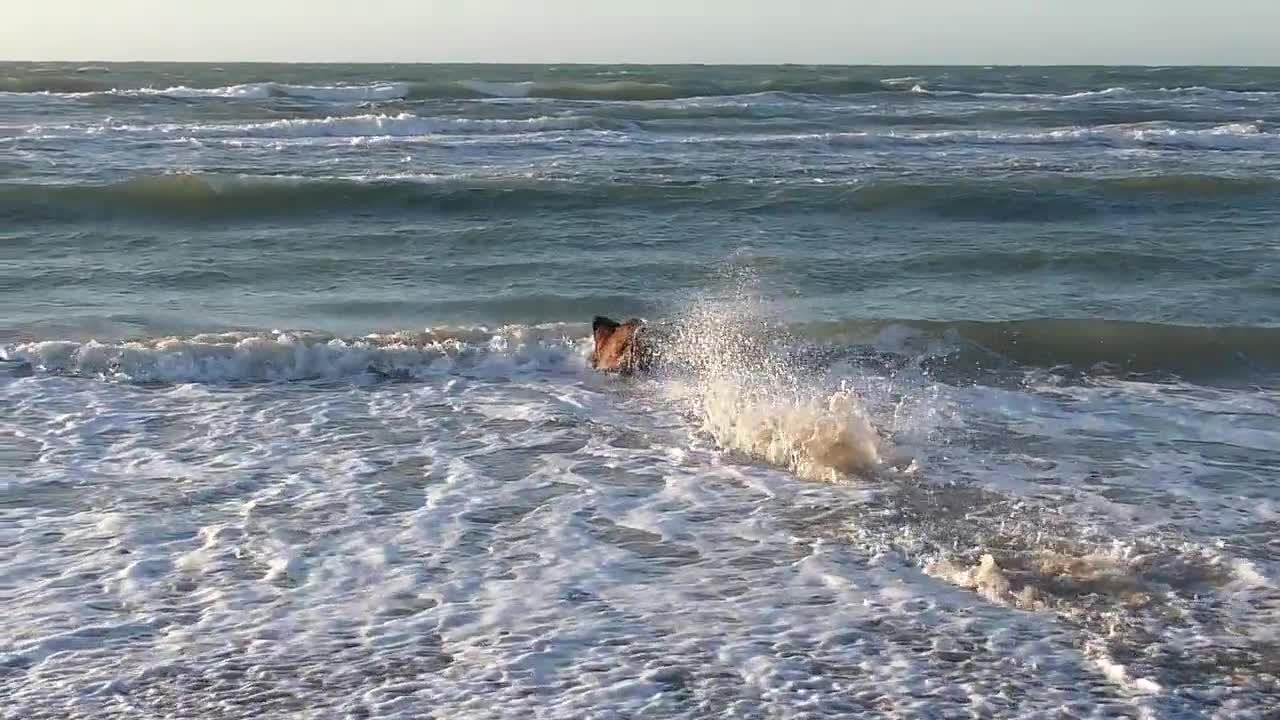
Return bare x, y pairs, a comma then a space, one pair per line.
917, 32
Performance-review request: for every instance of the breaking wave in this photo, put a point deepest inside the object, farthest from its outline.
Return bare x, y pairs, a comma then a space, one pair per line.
715, 351
244, 357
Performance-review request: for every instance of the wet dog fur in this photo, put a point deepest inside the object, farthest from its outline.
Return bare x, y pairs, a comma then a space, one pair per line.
622, 347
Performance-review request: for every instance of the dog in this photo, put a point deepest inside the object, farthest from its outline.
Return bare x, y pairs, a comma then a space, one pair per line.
622, 347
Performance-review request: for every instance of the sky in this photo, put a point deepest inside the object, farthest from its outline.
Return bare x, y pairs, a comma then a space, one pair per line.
1143, 32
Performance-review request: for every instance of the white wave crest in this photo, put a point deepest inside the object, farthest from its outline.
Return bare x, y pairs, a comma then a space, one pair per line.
1110, 92
402, 125
262, 91
355, 126
277, 356
920, 89
1239, 135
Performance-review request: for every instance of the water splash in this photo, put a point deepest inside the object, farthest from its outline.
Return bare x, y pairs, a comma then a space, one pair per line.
753, 398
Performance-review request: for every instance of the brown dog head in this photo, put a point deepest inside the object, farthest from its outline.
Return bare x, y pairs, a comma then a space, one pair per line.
619, 347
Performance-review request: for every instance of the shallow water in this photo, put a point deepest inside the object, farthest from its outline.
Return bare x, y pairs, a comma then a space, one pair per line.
970, 406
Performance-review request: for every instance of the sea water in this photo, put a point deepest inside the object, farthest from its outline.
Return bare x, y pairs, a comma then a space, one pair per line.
970, 407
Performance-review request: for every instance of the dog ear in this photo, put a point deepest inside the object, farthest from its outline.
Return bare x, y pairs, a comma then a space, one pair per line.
602, 328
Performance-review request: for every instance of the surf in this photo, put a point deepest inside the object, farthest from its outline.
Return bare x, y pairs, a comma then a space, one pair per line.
268, 357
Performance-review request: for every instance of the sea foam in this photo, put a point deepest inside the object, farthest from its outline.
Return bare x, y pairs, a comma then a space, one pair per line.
241, 357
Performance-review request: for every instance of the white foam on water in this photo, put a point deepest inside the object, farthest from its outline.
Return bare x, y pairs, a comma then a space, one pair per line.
1241, 135
548, 545
1121, 595
372, 92
1108, 93
1084, 574
1119, 675
247, 91
280, 356
408, 127
403, 124
1127, 543
499, 527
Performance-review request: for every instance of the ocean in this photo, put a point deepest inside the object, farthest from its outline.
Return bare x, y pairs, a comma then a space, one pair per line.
970, 408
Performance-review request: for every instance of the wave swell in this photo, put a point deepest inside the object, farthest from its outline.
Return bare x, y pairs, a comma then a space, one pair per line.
1093, 346
637, 88
611, 90
197, 197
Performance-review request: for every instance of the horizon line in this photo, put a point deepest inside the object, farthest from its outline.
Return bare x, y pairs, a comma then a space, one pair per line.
638, 64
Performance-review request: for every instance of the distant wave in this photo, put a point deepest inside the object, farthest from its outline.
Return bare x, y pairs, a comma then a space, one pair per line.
97, 86
1240, 135
921, 88
1228, 136
85, 87
620, 90
226, 198
336, 93
368, 125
